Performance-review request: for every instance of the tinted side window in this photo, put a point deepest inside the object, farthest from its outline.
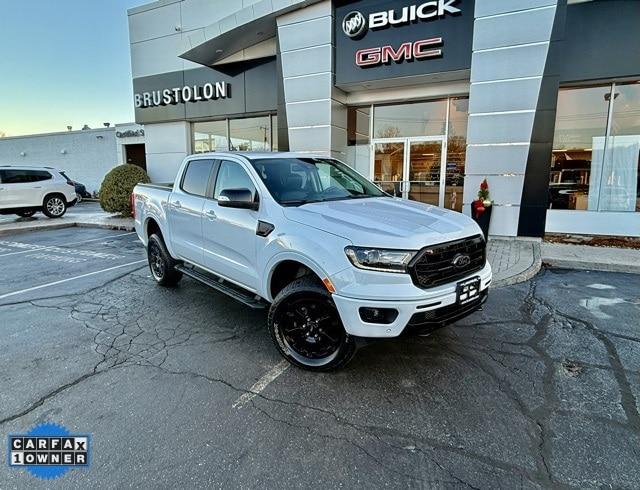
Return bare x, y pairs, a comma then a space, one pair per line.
196, 177
14, 176
38, 175
232, 176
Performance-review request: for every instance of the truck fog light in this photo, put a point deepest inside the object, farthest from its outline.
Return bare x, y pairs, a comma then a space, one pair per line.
382, 316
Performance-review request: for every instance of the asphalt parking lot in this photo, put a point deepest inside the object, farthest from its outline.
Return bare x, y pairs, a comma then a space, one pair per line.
540, 389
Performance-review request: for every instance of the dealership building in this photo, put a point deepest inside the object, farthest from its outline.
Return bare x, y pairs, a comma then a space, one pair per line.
427, 98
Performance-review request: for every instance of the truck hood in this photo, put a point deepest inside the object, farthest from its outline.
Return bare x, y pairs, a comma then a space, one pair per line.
385, 222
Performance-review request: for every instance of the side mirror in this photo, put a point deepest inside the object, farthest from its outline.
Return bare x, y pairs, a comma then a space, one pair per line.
237, 198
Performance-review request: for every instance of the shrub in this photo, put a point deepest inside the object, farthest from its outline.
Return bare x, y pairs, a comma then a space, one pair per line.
117, 186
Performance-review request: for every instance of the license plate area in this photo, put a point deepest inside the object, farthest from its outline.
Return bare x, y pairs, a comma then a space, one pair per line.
468, 290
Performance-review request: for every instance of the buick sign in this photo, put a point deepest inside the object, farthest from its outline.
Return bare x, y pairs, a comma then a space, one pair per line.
354, 24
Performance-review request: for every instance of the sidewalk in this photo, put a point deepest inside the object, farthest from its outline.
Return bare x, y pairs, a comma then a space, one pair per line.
88, 220
513, 260
591, 258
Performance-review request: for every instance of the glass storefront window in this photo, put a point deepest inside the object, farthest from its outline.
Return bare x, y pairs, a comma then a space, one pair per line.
407, 120
358, 150
620, 181
581, 125
250, 134
274, 133
456, 152
596, 149
210, 136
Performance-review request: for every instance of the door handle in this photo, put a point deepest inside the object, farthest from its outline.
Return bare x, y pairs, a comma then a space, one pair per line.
177, 204
211, 214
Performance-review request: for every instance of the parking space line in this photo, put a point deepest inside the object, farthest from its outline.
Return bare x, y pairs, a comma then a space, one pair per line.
46, 247
61, 281
261, 384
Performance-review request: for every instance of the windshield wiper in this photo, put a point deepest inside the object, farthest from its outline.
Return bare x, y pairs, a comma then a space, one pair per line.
298, 202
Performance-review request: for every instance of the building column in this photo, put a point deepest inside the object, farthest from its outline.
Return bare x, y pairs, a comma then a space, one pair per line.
510, 50
316, 116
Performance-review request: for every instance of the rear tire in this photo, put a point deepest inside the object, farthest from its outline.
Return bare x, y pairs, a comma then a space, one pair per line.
306, 328
26, 214
161, 263
54, 206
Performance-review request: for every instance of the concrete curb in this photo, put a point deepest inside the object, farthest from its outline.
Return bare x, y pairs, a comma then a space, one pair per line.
585, 257
26, 229
105, 226
584, 265
523, 276
66, 224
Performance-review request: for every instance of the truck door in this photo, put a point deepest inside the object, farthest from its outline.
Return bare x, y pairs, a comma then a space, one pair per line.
184, 210
230, 234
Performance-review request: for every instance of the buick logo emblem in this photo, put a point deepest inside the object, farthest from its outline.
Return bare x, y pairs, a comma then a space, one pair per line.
354, 24
460, 261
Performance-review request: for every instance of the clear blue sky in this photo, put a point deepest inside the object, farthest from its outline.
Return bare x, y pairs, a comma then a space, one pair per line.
64, 62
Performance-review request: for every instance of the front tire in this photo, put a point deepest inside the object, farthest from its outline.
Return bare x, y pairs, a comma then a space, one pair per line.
306, 328
54, 206
26, 214
161, 263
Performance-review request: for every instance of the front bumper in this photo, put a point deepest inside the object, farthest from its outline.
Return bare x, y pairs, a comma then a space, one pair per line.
437, 308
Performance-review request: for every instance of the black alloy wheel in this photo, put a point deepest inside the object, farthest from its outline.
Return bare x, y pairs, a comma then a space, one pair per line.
307, 329
161, 263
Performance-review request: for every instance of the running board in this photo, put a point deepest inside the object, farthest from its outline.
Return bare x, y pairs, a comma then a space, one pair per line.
219, 284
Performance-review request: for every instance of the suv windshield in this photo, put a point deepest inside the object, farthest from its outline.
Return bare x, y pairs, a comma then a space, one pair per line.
298, 181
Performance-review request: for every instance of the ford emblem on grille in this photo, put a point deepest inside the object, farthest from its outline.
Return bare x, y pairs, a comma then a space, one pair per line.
460, 261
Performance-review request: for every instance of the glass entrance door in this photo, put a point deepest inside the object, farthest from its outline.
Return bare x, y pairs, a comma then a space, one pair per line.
411, 168
389, 166
424, 163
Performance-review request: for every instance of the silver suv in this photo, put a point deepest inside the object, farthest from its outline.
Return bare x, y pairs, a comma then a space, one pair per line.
26, 190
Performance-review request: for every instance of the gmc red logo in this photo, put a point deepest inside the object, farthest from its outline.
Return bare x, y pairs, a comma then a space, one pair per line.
419, 50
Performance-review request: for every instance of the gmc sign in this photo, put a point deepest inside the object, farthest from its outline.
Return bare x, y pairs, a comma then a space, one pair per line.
418, 50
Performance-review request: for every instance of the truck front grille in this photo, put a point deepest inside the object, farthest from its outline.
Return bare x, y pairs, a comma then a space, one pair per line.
446, 262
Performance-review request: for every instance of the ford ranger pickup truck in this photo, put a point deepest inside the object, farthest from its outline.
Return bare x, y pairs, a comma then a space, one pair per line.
332, 256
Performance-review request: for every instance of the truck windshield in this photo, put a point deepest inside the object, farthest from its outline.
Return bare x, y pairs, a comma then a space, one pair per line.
298, 181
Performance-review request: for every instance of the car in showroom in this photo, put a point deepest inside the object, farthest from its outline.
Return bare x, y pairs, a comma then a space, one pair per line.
331, 255
27, 190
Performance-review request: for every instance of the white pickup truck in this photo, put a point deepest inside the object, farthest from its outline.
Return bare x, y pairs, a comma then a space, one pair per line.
332, 256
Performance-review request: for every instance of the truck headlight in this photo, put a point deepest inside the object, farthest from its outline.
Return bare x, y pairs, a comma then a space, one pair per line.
377, 259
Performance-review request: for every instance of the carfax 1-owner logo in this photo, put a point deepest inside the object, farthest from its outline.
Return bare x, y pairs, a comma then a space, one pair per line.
49, 451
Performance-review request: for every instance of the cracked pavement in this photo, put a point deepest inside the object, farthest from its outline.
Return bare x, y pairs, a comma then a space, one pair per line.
541, 389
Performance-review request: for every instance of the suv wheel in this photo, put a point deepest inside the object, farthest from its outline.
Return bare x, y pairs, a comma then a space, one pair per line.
54, 206
306, 328
26, 214
161, 263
